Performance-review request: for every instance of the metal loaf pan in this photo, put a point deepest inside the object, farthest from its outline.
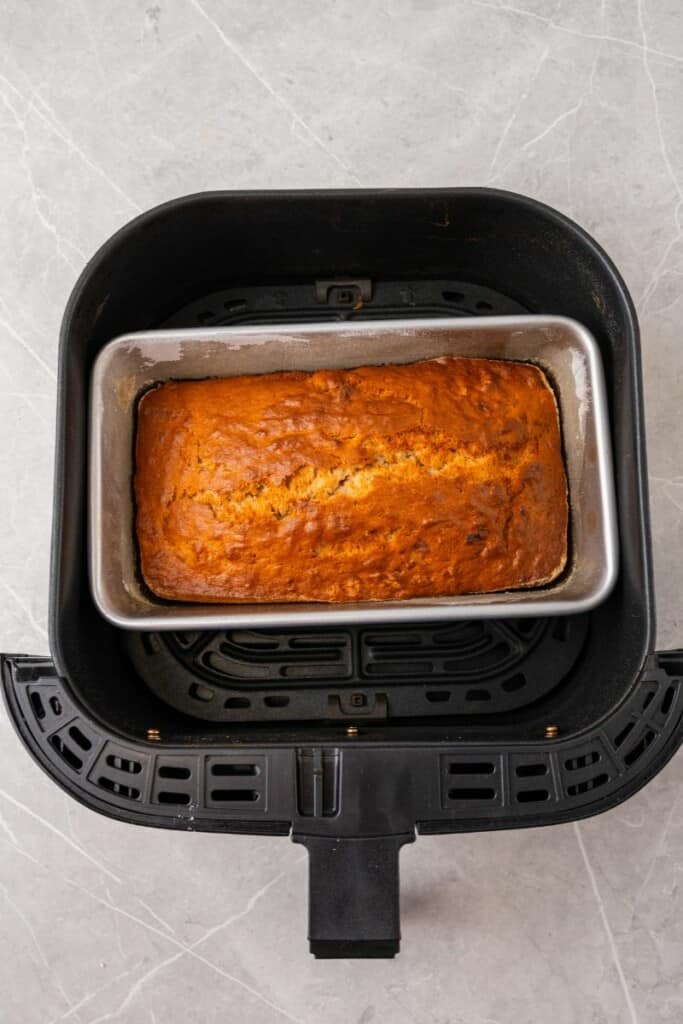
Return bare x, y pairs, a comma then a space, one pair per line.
130, 364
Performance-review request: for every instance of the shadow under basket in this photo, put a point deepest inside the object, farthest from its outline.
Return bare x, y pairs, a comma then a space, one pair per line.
350, 739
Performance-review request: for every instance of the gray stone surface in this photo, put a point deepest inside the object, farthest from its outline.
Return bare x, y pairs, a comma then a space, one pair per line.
108, 108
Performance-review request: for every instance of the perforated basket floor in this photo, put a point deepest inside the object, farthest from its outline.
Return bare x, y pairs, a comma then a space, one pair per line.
480, 667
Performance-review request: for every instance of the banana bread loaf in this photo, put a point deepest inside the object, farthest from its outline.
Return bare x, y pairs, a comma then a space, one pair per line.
441, 477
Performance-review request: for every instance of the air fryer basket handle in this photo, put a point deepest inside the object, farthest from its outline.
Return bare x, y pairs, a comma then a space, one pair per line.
353, 902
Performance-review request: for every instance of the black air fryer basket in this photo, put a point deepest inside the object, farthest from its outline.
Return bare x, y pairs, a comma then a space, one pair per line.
350, 740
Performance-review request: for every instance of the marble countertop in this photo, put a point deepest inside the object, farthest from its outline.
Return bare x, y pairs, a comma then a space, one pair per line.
108, 109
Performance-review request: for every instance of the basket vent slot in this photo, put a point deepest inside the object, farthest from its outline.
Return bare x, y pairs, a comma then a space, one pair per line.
668, 700
124, 764
79, 738
119, 788
174, 771
234, 769
276, 700
577, 788
625, 732
169, 797
472, 793
640, 747
229, 796
66, 753
471, 768
529, 796
470, 779
514, 683
573, 764
478, 695
525, 771
231, 781
37, 705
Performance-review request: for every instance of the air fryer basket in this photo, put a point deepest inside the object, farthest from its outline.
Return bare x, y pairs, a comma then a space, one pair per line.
350, 739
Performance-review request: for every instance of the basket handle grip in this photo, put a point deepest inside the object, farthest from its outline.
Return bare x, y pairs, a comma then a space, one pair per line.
353, 900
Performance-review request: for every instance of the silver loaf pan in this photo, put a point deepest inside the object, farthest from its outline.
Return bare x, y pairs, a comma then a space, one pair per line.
129, 365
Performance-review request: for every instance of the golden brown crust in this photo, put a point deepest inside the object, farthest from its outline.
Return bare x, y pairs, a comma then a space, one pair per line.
442, 477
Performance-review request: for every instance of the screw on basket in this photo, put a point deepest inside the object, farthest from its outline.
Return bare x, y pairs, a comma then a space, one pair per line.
551, 732
154, 735
352, 730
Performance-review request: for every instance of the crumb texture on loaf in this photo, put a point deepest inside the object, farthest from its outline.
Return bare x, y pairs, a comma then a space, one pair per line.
441, 477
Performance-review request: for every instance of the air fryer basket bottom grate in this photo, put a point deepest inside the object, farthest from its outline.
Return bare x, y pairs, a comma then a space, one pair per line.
385, 672
480, 667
